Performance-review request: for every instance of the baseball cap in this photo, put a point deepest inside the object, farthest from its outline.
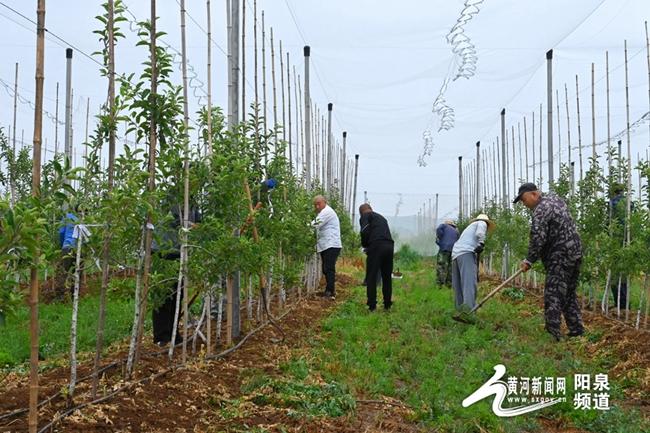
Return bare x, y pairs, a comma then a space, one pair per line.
526, 187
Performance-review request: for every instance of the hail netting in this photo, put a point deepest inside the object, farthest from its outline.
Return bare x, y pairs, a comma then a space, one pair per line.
462, 45
463, 65
400, 202
427, 136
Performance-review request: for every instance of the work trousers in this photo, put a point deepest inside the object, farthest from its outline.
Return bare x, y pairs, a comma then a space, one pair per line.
163, 317
464, 280
379, 262
560, 297
623, 294
443, 270
328, 259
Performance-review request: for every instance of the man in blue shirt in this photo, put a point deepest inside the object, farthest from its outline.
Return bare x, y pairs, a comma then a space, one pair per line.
464, 266
446, 236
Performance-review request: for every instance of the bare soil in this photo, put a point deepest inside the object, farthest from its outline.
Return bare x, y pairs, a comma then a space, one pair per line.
207, 396
196, 397
627, 349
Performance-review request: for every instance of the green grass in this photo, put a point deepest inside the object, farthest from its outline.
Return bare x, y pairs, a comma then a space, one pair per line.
296, 391
54, 337
303, 398
418, 354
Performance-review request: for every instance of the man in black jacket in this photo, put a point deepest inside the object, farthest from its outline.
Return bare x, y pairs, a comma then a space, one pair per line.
378, 243
167, 246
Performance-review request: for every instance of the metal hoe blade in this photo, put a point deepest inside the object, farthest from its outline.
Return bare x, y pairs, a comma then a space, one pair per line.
469, 317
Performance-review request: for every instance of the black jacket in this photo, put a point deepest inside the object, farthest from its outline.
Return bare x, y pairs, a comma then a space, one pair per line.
374, 228
167, 239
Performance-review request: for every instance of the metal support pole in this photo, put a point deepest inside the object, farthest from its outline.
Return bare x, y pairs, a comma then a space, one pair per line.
330, 152
68, 104
354, 189
435, 215
478, 177
460, 188
343, 167
307, 115
549, 120
504, 195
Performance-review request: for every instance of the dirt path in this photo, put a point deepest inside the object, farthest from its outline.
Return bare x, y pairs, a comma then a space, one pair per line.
208, 396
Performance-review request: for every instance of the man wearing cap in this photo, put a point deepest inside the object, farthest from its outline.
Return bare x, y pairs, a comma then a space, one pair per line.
328, 241
554, 239
464, 265
446, 236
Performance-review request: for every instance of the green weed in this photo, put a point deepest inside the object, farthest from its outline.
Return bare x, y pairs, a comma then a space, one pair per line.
418, 354
302, 398
55, 328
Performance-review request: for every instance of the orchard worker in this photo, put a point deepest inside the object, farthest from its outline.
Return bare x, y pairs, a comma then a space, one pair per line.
328, 241
379, 246
446, 236
68, 243
617, 211
464, 265
167, 247
554, 239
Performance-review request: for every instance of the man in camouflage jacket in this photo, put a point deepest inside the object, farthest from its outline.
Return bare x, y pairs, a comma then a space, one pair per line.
554, 239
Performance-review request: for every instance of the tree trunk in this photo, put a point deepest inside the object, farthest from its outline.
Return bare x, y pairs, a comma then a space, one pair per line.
73, 322
101, 319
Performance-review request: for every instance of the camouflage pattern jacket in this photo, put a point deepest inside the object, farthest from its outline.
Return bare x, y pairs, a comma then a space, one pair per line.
553, 235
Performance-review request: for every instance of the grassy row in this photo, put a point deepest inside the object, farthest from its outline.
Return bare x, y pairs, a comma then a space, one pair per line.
418, 354
54, 334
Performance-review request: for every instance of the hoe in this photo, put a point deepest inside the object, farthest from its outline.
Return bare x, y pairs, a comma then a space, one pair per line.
468, 316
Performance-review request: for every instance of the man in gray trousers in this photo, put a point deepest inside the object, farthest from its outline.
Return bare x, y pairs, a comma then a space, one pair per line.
464, 265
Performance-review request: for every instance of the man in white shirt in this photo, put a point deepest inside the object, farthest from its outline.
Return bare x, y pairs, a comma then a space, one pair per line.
328, 244
464, 265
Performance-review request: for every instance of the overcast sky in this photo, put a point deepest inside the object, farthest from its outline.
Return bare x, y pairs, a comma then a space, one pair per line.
382, 64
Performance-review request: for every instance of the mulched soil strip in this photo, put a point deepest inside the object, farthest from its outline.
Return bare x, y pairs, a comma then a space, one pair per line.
345, 280
630, 347
130, 385
152, 355
184, 399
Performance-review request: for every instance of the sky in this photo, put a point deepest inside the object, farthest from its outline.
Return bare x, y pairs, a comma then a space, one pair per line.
382, 64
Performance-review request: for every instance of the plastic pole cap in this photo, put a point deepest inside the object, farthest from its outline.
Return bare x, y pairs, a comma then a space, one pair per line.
345, 134
307, 50
68, 53
478, 144
549, 54
503, 112
330, 106
356, 156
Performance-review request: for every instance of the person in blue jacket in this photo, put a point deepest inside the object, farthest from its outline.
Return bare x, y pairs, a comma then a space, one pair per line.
446, 236
68, 244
